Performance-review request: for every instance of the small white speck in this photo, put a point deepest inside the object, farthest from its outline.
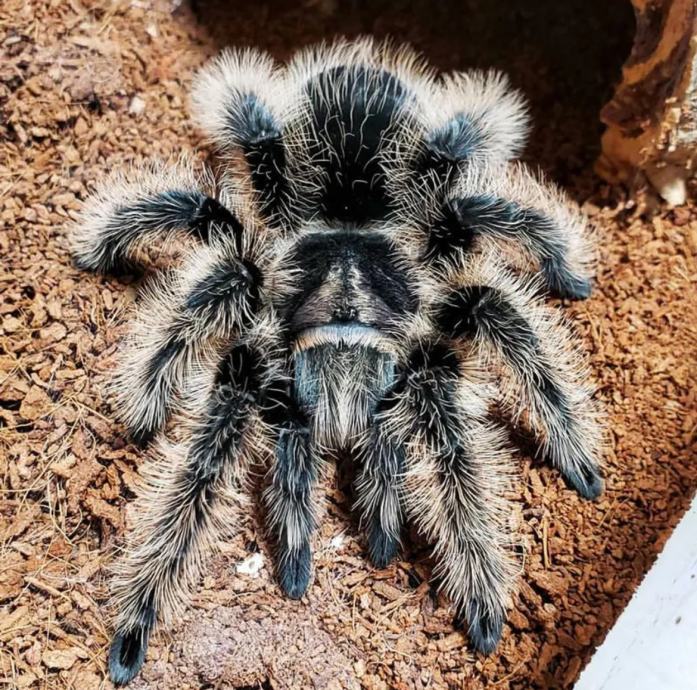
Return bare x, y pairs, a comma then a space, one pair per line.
251, 566
337, 542
137, 106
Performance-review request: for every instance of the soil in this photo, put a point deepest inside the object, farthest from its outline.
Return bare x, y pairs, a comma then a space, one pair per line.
87, 86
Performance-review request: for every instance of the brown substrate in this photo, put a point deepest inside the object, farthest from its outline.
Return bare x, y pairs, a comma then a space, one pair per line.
86, 87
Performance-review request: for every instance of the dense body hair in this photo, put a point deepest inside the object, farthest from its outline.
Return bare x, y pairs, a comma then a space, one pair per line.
366, 276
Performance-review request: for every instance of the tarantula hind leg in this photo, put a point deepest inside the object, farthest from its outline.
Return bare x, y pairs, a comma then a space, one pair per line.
230, 102
192, 498
478, 120
547, 381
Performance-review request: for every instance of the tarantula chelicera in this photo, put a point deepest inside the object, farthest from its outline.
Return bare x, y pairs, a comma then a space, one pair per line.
364, 275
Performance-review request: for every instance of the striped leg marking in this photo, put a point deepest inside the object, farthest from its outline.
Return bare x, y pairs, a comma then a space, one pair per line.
175, 329
457, 471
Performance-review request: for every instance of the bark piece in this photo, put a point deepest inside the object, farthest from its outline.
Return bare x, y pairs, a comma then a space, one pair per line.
652, 118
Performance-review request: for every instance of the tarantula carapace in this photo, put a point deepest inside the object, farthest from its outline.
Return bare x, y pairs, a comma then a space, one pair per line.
364, 275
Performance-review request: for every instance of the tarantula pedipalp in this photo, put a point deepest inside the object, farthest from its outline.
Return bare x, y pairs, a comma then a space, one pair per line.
365, 277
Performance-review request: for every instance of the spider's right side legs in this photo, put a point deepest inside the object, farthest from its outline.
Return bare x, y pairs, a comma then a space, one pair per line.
379, 485
289, 498
128, 210
191, 499
290, 505
453, 485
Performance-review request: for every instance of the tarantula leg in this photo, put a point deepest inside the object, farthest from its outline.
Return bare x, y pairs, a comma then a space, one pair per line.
456, 473
467, 218
475, 118
191, 499
229, 100
127, 651
126, 212
500, 207
511, 327
288, 498
378, 488
210, 297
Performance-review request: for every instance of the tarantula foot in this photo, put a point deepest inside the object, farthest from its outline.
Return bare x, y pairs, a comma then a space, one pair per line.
566, 285
118, 268
586, 480
484, 627
576, 288
382, 547
294, 571
127, 654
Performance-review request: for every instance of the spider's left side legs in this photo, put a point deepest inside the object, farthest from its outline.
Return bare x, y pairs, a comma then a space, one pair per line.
473, 118
192, 497
546, 379
456, 474
509, 209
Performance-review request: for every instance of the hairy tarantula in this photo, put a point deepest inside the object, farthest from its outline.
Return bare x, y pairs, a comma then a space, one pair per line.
366, 275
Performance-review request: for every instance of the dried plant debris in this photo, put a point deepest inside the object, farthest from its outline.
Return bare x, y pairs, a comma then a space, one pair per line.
87, 86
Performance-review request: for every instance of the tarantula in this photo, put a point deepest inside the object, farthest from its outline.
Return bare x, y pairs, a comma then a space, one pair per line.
365, 276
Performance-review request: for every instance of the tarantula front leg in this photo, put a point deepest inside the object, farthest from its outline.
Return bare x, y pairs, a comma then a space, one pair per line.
289, 497
379, 486
191, 498
456, 473
509, 325
215, 293
509, 209
151, 203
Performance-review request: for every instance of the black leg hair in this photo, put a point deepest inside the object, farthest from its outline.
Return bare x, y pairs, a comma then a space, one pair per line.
379, 486
153, 203
456, 474
475, 118
466, 219
192, 498
511, 206
510, 326
289, 499
211, 297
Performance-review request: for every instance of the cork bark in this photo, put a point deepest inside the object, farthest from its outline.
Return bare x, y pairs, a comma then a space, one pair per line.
652, 118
